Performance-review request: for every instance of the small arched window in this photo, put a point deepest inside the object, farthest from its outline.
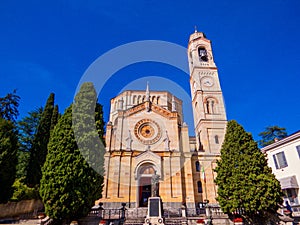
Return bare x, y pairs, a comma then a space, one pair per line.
153, 99
134, 100
157, 100
199, 186
207, 107
197, 164
202, 54
211, 105
216, 139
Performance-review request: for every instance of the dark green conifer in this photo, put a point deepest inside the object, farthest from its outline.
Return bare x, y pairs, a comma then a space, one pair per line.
245, 182
70, 185
27, 128
9, 106
270, 134
39, 149
54, 118
8, 158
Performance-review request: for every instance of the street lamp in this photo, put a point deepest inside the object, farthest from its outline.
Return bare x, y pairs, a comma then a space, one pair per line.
208, 220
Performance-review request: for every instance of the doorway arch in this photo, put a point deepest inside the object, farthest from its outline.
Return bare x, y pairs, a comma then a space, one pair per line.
144, 175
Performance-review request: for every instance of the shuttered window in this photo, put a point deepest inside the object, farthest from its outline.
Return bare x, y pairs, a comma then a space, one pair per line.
280, 160
298, 150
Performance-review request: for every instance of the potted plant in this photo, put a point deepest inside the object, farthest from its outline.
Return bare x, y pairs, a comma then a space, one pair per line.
238, 221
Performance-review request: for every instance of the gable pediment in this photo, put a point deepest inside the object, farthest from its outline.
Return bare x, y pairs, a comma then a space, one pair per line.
147, 157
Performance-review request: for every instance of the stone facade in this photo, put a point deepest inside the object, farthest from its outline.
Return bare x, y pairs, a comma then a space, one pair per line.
146, 135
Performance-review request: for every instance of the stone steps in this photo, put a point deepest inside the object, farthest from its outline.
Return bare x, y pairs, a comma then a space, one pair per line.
136, 221
168, 221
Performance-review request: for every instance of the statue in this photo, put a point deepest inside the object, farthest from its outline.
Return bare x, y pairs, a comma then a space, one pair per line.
129, 141
167, 142
154, 185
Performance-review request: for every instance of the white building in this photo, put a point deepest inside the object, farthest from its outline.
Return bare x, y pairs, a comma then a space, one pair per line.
284, 159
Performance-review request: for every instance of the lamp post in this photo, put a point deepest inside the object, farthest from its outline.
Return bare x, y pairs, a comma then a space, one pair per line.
208, 220
100, 211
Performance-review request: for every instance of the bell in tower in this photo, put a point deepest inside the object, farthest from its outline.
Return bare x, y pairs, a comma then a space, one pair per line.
202, 54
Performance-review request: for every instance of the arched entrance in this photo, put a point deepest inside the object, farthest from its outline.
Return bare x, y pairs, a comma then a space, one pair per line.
145, 173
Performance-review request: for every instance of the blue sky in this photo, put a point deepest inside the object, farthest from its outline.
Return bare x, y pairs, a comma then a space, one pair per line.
46, 46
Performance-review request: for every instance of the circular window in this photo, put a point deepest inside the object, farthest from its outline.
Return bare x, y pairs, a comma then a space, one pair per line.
147, 131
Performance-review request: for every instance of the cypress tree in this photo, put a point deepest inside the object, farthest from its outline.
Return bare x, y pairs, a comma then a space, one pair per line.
39, 149
70, 185
8, 158
54, 118
245, 182
88, 126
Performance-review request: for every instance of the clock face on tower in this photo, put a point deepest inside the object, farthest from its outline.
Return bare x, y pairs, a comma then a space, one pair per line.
207, 81
147, 131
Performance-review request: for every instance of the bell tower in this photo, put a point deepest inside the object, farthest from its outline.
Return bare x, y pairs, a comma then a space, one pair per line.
208, 108
207, 99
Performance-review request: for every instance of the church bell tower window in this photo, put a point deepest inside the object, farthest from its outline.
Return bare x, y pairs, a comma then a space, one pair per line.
202, 54
199, 186
197, 164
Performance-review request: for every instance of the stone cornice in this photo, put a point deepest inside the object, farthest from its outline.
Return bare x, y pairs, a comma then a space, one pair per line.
164, 112
153, 107
135, 109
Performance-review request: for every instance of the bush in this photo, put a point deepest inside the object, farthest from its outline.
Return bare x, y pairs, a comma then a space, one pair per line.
23, 192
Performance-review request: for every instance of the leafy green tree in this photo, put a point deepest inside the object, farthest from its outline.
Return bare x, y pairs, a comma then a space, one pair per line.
70, 185
39, 149
9, 106
270, 134
245, 182
27, 128
8, 158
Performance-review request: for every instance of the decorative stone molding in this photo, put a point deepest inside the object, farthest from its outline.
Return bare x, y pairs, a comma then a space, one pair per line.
163, 112
206, 73
147, 131
135, 109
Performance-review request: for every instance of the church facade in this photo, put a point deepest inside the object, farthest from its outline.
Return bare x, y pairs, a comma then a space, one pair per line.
146, 137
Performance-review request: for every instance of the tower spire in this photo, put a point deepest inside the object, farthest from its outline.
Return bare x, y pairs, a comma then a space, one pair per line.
196, 29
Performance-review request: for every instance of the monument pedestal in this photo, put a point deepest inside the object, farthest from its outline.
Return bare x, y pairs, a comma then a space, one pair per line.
154, 214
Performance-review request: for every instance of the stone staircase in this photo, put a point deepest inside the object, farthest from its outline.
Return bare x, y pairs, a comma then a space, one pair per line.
134, 221
168, 221
136, 213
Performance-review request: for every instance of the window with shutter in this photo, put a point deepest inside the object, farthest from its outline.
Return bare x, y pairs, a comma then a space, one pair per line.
298, 150
280, 160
